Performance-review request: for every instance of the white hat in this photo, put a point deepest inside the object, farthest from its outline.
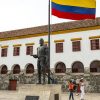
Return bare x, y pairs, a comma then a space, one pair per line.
82, 78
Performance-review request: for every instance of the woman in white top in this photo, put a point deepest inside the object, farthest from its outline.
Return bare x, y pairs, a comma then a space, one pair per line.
82, 89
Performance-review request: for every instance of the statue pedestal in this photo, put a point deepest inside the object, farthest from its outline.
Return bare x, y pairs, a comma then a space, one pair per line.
44, 92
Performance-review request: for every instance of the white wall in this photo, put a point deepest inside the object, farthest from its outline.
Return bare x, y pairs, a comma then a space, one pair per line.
86, 55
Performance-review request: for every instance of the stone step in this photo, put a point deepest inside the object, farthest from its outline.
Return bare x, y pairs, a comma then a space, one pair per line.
38, 87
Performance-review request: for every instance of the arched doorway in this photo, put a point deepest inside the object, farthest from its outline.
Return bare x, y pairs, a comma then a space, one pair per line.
95, 66
29, 69
16, 69
60, 67
4, 69
77, 67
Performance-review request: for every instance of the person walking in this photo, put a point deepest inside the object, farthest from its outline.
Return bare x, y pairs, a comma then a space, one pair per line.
82, 89
71, 89
78, 87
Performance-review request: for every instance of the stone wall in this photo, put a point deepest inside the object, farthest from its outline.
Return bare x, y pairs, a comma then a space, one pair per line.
92, 81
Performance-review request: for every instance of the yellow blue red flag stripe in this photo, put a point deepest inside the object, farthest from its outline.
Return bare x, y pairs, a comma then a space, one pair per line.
74, 9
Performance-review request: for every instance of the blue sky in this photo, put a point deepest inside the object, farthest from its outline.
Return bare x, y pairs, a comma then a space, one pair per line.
18, 14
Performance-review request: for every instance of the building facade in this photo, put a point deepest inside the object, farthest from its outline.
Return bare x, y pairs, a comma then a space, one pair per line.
75, 48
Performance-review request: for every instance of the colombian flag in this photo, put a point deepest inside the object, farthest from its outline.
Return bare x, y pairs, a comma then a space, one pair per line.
74, 9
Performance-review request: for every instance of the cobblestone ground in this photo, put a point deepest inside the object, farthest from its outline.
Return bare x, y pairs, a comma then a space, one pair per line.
15, 95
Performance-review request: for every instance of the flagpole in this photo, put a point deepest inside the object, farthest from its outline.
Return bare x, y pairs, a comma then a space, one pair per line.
49, 31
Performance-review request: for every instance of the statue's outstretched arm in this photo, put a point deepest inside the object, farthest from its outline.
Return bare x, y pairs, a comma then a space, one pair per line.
35, 56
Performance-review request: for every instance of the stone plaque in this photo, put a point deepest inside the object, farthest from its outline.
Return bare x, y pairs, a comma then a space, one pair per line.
56, 96
32, 98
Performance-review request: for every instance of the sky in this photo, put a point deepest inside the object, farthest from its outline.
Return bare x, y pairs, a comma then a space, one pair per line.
18, 14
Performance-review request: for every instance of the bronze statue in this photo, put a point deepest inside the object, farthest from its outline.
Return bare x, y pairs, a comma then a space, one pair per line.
42, 63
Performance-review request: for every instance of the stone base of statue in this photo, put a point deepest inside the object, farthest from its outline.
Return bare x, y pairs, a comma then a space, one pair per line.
40, 92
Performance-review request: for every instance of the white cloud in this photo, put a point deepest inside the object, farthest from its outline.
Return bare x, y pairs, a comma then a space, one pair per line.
17, 14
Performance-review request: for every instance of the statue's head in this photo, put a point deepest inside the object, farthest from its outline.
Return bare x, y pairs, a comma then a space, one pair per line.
41, 42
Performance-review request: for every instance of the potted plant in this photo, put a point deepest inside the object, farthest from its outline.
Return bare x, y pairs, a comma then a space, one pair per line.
12, 82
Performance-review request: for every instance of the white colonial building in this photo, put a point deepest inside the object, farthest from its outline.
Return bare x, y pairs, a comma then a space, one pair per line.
74, 45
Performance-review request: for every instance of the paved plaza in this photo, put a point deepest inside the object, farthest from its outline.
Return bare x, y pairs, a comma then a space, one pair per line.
88, 96
14, 95
44, 91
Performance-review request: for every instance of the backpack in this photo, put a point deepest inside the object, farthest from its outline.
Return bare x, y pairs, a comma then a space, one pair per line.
71, 86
